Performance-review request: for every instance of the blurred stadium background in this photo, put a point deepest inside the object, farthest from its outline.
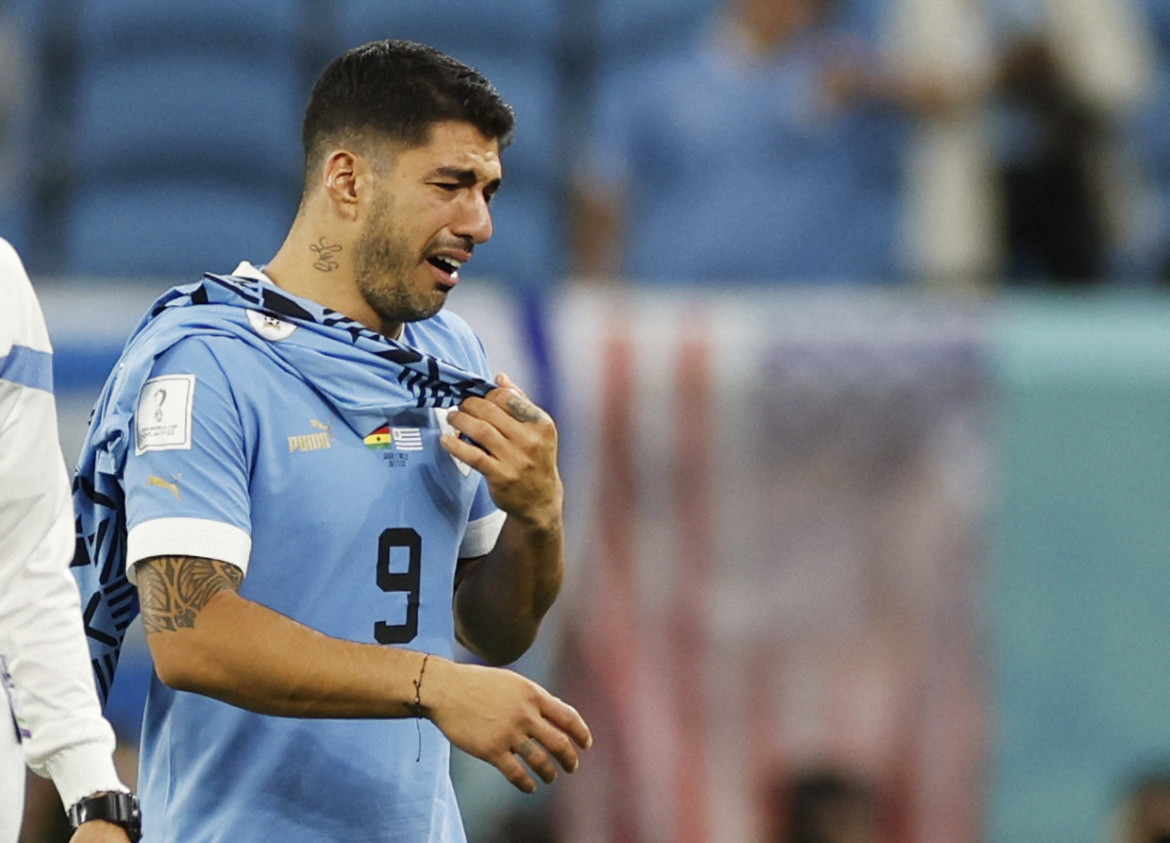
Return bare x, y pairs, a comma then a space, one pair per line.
911, 536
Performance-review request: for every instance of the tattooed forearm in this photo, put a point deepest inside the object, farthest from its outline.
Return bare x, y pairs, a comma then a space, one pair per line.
325, 252
173, 589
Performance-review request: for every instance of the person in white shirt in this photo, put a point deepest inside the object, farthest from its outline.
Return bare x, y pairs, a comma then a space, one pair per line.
56, 725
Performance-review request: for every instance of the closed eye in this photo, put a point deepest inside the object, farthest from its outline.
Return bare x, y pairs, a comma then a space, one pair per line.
453, 187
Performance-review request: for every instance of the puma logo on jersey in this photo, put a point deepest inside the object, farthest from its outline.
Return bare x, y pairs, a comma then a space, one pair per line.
172, 487
312, 441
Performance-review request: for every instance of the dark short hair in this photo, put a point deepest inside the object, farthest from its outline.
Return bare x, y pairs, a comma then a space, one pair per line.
397, 90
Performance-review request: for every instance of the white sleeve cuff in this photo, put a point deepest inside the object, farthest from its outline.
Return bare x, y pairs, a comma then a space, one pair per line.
187, 537
482, 534
83, 770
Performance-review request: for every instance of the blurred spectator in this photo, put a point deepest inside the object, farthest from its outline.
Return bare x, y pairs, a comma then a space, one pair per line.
822, 805
951, 224
1071, 73
1144, 811
773, 147
1054, 210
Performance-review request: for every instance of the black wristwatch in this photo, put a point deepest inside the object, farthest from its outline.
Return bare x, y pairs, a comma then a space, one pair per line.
114, 807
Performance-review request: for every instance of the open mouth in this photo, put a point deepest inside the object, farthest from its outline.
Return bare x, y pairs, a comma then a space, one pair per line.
448, 266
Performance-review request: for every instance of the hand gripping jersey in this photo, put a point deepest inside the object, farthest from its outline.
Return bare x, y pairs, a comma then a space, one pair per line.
245, 425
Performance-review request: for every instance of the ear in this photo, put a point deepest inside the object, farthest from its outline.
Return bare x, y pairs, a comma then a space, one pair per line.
345, 175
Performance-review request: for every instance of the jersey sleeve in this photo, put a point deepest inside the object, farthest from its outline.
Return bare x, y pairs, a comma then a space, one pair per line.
483, 524
186, 475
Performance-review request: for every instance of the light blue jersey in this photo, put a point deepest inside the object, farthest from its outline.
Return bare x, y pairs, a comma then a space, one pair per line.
345, 523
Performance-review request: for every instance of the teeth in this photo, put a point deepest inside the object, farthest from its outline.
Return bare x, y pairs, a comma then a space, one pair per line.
450, 262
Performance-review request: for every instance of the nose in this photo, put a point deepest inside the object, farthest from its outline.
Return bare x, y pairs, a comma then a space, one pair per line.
475, 218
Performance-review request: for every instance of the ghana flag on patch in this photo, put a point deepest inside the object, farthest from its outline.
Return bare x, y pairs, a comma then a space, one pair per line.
380, 439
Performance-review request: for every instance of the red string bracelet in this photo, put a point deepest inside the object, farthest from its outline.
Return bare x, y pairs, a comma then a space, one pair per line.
418, 706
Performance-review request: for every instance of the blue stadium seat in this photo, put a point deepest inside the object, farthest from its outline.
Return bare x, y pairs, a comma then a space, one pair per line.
35, 17
1158, 15
34, 128
17, 131
184, 142
1152, 126
171, 229
263, 28
628, 30
187, 114
454, 26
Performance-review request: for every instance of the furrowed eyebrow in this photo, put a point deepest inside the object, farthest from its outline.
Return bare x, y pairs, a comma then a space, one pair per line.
466, 178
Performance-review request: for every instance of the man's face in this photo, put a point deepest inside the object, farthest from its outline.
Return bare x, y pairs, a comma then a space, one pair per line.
429, 213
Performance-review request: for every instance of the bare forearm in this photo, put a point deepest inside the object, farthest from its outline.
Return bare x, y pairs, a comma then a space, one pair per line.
207, 639
503, 597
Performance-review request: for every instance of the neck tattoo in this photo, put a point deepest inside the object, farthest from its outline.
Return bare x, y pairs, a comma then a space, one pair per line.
326, 262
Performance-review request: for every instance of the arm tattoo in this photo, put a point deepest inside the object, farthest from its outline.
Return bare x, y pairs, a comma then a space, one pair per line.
325, 255
173, 589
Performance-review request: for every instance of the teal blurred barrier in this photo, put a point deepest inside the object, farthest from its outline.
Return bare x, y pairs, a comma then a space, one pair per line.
1079, 561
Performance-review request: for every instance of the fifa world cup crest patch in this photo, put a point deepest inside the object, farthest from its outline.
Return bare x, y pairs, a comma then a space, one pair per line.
162, 421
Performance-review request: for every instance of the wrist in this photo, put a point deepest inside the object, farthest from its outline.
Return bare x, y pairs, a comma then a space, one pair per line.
417, 707
546, 520
437, 674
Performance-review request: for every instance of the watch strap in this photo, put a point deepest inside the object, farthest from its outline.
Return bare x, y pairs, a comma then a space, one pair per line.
117, 807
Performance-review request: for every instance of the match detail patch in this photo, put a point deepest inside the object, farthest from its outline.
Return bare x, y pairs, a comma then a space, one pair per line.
163, 419
387, 438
